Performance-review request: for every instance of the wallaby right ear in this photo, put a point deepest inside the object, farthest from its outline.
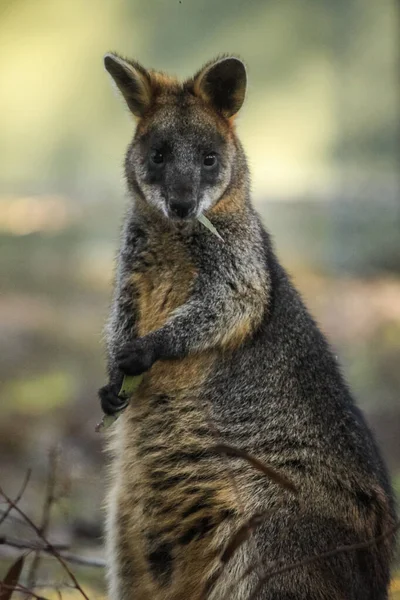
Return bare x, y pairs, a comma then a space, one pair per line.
222, 83
132, 80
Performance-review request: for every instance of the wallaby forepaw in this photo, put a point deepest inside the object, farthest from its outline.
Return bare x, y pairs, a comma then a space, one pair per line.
135, 358
111, 403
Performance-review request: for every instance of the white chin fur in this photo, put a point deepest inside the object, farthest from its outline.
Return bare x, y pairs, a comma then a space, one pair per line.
158, 202
205, 203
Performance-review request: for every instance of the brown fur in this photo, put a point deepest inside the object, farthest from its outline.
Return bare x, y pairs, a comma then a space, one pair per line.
226, 349
163, 286
145, 460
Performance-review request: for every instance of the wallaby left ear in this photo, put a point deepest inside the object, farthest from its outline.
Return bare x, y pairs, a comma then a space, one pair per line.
223, 85
132, 80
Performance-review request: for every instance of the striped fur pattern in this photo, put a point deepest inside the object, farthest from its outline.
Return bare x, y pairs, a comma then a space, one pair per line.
228, 351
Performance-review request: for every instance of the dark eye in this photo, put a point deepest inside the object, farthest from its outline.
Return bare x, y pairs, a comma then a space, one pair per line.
157, 157
210, 160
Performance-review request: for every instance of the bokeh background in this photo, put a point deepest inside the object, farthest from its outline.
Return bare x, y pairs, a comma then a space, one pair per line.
321, 129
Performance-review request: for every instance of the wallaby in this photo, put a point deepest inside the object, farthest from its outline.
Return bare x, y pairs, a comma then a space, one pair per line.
229, 354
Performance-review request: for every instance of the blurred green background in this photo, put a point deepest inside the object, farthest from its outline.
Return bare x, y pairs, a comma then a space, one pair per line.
321, 129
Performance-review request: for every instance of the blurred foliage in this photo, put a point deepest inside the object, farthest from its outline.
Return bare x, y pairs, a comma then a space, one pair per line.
321, 129
42, 392
317, 69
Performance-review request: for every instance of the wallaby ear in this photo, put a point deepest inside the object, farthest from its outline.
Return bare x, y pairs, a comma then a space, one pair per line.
223, 85
132, 80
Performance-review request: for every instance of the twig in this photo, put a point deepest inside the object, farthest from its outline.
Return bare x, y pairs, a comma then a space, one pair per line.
48, 549
21, 589
18, 497
242, 534
221, 449
268, 471
49, 585
85, 562
29, 545
45, 521
338, 550
53, 550
278, 570
14, 518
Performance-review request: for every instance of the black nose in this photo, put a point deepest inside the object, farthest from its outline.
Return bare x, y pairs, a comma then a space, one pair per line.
181, 209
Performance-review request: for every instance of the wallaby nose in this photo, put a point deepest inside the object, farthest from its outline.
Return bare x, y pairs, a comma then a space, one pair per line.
181, 209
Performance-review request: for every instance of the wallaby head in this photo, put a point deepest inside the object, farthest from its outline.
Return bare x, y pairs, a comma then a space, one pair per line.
184, 155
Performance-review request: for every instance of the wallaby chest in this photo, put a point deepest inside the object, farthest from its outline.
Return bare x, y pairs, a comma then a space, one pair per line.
162, 278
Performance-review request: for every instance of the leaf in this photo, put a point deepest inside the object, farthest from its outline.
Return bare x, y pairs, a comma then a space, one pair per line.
203, 219
11, 579
106, 421
129, 385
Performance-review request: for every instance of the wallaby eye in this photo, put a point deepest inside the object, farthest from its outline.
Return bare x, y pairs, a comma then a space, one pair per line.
157, 157
210, 160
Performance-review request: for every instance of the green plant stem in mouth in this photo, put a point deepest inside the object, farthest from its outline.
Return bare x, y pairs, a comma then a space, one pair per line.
207, 223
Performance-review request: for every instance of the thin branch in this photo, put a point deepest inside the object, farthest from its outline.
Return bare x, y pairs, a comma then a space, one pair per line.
21, 589
29, 545
268, 471
54, 550
18, 497
244, 532
57, 587
280, 568
82, 560
49, 585
49, 549
10, 517
242, 535
45, 521
221, 449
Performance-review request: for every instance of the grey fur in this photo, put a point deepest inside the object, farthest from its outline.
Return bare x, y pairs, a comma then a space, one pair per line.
278, 394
